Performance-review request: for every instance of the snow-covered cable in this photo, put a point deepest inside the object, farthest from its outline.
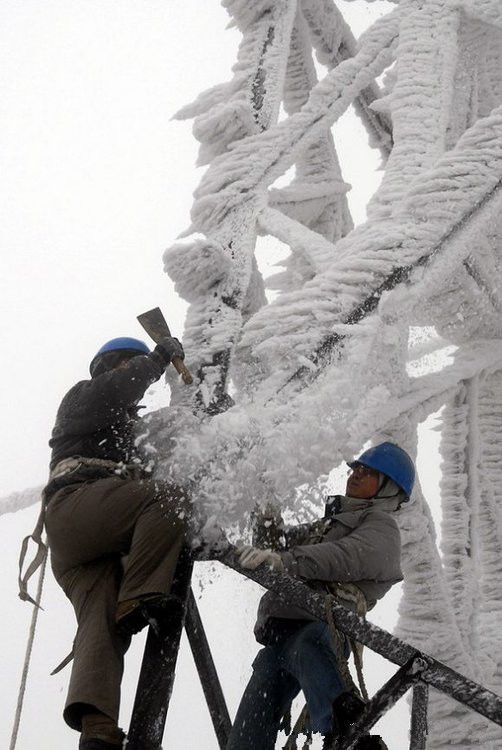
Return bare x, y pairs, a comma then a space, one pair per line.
20, 500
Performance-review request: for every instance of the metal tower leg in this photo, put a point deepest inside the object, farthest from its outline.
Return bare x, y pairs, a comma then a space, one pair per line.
418, 731
156, 677
207, 673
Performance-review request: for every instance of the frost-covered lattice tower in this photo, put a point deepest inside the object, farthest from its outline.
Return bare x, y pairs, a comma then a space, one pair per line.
326, 365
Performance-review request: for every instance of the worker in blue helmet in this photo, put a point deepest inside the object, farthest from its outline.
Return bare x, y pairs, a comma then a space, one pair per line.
114, 533
353, 553
393, 464
116, 350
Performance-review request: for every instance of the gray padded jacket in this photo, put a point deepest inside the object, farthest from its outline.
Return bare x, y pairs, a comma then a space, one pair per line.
360, 544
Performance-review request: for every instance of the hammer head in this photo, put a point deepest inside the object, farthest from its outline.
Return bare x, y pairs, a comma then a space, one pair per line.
154, 324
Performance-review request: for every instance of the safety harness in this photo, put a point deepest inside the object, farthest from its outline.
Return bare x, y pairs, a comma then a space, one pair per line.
68, 471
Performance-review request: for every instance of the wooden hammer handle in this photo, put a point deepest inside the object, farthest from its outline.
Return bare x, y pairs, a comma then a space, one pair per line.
185, 373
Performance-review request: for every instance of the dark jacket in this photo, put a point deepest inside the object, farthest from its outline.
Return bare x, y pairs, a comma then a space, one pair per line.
97, 418
360, 546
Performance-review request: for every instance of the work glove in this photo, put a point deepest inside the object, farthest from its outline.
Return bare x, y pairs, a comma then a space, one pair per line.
167, 349
251, 557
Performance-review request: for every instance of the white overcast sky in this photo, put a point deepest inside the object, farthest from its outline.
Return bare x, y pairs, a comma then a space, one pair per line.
96, 181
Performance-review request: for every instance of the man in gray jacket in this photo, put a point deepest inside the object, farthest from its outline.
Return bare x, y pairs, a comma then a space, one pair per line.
354, 549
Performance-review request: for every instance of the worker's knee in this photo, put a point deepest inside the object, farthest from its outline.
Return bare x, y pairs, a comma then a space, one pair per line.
305, 646
170, 499
266, 663
176, 504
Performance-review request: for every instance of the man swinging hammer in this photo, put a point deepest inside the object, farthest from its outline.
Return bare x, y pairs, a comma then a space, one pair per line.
353, 553
114, 533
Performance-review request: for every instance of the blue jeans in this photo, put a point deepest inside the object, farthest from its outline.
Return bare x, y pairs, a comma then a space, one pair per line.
303, 661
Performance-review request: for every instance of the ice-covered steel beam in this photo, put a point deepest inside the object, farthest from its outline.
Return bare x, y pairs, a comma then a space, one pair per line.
469, 361
399, 275
217, 312
299, 237
418, 728
317, 169
383, 700
488, 11
484, 282
233, 191
473, 171
334, 42
254, 163
435, 674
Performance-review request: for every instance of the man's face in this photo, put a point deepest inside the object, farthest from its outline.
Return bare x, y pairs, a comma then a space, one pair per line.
122, 363
362, 482
122, 359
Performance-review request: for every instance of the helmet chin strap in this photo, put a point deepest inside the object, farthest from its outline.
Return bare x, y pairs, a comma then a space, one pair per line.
382, 482
394, 489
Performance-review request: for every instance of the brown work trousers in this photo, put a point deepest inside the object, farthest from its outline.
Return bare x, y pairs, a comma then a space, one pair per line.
111, 540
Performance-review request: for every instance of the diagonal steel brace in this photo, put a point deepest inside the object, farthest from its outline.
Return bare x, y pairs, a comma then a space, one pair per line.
383, 700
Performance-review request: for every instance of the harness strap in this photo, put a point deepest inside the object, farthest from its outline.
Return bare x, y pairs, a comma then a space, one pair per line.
352, 594
63, 468
65, 662
337, 642
74, 463
357, 650
37, 561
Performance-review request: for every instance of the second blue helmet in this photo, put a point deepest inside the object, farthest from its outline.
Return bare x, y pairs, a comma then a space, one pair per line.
391, 460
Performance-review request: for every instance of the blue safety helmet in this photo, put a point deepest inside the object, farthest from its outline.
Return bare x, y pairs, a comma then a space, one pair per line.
391, 460
124, 344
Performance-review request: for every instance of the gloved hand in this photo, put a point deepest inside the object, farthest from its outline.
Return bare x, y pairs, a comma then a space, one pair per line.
251, 557
167, 349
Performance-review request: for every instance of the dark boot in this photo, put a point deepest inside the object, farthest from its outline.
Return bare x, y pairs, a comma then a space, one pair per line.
368, 742
91, 744
371, 742
134, 614
100, 732
347, 709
